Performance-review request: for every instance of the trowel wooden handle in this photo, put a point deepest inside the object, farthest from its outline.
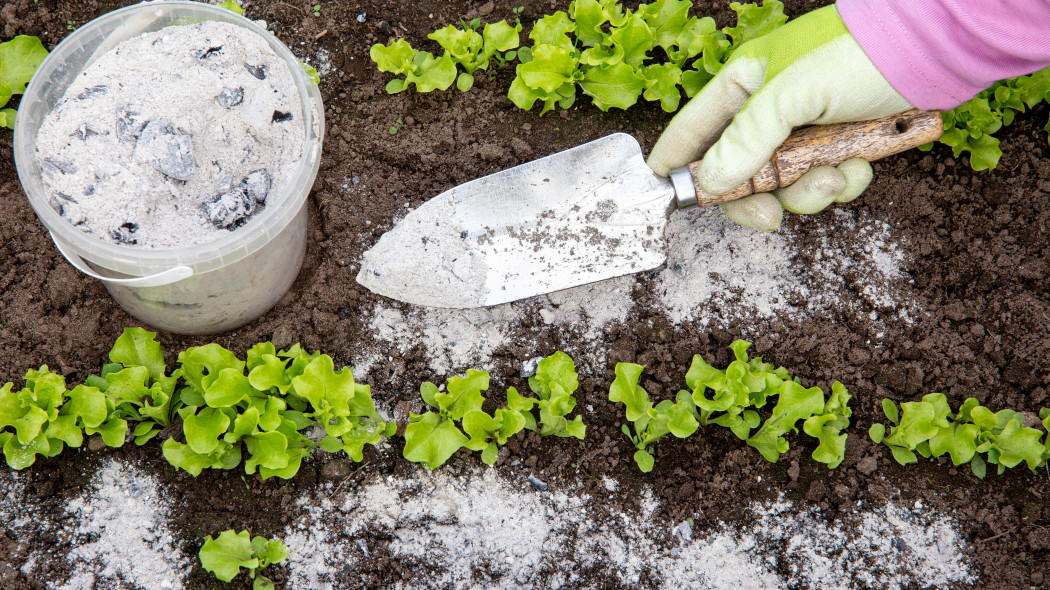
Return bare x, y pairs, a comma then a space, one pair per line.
830, 145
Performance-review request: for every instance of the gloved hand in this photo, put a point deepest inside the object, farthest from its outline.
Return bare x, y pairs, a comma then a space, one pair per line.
811, 70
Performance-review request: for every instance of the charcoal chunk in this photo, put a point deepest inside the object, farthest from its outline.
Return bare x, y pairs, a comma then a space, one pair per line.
58, 202
257, 71
169, 151
230, 97
129, 124
281, 116
93, 92
231, 209
55, 165
257, 185
206, 53
125, 234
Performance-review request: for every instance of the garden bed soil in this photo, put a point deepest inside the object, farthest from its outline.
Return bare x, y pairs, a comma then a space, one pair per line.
971, 247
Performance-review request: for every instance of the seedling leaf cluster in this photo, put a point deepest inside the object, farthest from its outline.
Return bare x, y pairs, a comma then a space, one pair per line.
225, 555
466, 51
613, 54
731, 398
973, 434
970, 127
616, 55
19, 59
457, 418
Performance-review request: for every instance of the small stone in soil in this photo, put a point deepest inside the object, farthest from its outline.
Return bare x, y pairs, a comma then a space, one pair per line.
230, 97
125, 234
169, 151
281, 116
539, 485
257, 71
92, 92
129, 124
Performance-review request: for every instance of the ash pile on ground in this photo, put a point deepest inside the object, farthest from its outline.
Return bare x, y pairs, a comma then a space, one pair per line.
718, 274
485, 529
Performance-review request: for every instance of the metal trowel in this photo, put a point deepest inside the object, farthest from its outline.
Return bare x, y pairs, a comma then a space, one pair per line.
586, 214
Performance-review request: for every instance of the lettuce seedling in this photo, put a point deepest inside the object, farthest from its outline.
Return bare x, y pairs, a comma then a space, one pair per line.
827, 427
614, 60
19, 59
555, 382
488, 432
794, 403
44, 416
970, 126
737, 392
233, 6
736, 395
421, 68
432, 438
231, 551
475, 51
651, 423
974, 435
261, 406
137, 384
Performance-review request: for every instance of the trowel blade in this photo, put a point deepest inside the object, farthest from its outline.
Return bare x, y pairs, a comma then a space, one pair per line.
589, 213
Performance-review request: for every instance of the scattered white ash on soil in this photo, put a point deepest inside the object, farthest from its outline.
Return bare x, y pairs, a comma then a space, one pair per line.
717, 274
457, 339
482, 529
23, 516
122, 534
173, 137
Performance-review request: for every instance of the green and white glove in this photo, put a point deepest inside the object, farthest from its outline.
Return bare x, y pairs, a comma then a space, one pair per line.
810, 71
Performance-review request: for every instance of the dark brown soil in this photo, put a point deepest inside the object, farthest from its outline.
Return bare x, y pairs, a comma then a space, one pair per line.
977, 245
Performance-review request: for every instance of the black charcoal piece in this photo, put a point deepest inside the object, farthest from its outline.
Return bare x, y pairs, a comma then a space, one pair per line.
231, 209
206, 53
129, 124
57, 205
257, 185
55, 165
230, 97
125, 234
257, 71
281, 116
169, 151
58, 202
93, 92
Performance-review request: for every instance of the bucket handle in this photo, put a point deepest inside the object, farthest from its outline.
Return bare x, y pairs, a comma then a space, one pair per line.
164, 277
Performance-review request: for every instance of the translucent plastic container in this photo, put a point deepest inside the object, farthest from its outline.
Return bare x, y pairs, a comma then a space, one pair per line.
201, 289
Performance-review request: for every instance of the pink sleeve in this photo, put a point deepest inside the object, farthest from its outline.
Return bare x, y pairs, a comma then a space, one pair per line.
940, 53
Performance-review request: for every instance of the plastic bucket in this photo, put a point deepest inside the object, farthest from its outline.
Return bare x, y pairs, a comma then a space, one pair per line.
201, 289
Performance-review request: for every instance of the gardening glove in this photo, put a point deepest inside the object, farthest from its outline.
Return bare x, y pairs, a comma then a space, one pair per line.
809, 71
